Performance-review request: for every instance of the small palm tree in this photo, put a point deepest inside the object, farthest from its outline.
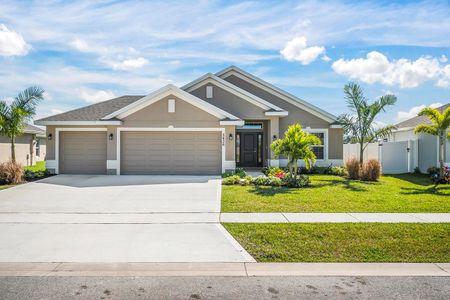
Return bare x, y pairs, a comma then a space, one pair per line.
440, 124
14, 116
296, 145
360, 126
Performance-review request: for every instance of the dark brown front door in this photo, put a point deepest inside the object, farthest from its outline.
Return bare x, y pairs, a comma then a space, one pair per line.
251, 149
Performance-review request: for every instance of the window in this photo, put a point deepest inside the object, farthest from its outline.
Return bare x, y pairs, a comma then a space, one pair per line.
238, 148
38, 147
319, 150
171, 104
251, 126
209, 91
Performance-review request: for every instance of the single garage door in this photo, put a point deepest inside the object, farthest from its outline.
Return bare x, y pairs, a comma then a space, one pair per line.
82, 152
188, 153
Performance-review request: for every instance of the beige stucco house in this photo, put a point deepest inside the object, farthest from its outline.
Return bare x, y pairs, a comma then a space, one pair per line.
217, 122
30, 147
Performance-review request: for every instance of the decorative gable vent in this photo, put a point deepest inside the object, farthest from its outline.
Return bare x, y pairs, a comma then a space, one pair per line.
209, 91
171, 106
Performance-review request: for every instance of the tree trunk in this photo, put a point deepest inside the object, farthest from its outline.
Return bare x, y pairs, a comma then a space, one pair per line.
441, 153
361, 153
295, 168
13, 149
33, 137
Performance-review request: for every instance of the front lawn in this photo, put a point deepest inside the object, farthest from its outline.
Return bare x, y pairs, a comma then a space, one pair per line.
393, 193
344, 242
39, 166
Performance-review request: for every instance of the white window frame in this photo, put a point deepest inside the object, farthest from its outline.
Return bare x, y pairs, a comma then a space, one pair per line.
55, 164
325, 140
167, 129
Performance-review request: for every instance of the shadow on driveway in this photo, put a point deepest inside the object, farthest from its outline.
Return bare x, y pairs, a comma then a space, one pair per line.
83, 181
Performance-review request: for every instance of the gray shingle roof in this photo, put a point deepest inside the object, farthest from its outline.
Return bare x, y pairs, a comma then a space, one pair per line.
417, 120
94, 112
33, 129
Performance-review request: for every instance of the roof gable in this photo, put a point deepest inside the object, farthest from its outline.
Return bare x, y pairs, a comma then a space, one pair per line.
166, 91
233, 70
211, 78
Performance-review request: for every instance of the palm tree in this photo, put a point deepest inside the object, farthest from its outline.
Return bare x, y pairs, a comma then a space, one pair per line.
360, 126
14, 116
440, 124
296, 145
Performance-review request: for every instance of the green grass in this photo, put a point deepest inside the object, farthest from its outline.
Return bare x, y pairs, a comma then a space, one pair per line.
394, 193
39, 166
4, 187
344, 242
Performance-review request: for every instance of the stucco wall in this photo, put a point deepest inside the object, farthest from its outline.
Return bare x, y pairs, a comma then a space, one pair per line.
22, 149
230, 103
335, 145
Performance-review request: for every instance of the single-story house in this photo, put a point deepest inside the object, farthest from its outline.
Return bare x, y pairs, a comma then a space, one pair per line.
30, 147
427, 145
216, 122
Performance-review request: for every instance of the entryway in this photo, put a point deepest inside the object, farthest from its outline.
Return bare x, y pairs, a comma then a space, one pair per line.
249, 149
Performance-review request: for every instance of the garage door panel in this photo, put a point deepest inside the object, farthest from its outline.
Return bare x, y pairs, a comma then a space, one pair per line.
82, 152
171, 153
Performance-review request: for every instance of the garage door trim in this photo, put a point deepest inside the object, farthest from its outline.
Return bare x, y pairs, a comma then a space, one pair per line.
58, 130
168, 129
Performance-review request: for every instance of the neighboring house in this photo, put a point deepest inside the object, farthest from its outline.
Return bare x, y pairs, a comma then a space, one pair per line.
427, 145
214, 123
30, 147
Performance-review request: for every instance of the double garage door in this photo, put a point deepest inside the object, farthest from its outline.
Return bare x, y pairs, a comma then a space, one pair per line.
143, 153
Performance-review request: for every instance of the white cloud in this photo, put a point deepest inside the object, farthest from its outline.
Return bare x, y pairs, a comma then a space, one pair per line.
80, 45
129, 64
297, 50
376, 68
405, 115
95, 96
12, 43
326, 58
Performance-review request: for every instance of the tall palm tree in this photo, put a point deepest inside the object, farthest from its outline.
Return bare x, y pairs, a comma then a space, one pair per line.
296, 145
360, 126
14, 116
440, 124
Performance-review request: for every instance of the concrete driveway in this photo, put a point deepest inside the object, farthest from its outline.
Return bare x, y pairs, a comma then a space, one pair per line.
84, 218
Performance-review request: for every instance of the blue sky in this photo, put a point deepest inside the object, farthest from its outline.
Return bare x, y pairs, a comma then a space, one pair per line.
84, 52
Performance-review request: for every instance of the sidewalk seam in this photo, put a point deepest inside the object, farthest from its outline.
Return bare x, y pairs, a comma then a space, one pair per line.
437, 265
289, 221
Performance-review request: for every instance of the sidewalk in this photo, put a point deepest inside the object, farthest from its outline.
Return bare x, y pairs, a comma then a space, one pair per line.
225, 269
209, 218
335, 217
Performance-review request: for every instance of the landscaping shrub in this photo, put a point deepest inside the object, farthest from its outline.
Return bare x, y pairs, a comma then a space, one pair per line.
260, 180
371, 170
353, 168
300, 181
417, 170
238, 171
35, 175
276, 172
247, 180
230, 180
274, 181
338, 171
433, 170
11, 173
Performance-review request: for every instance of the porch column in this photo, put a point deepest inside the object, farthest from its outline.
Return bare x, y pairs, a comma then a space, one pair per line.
274, 131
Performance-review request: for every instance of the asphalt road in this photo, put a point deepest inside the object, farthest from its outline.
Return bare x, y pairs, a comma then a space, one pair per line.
224, 288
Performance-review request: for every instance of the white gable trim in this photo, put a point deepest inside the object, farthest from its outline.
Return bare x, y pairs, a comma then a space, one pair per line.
277, 92
165, 91
231, 88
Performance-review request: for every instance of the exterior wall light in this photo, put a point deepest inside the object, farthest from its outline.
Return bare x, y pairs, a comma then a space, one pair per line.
274, 137
111, 136
50, 136
230, 137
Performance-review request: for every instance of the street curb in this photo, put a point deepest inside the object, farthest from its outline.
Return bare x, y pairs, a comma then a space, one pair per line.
224, 269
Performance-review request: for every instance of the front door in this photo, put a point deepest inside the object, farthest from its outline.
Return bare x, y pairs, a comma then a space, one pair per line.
250, 149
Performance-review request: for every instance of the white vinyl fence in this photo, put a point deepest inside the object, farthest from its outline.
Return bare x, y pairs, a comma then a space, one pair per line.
395, 157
